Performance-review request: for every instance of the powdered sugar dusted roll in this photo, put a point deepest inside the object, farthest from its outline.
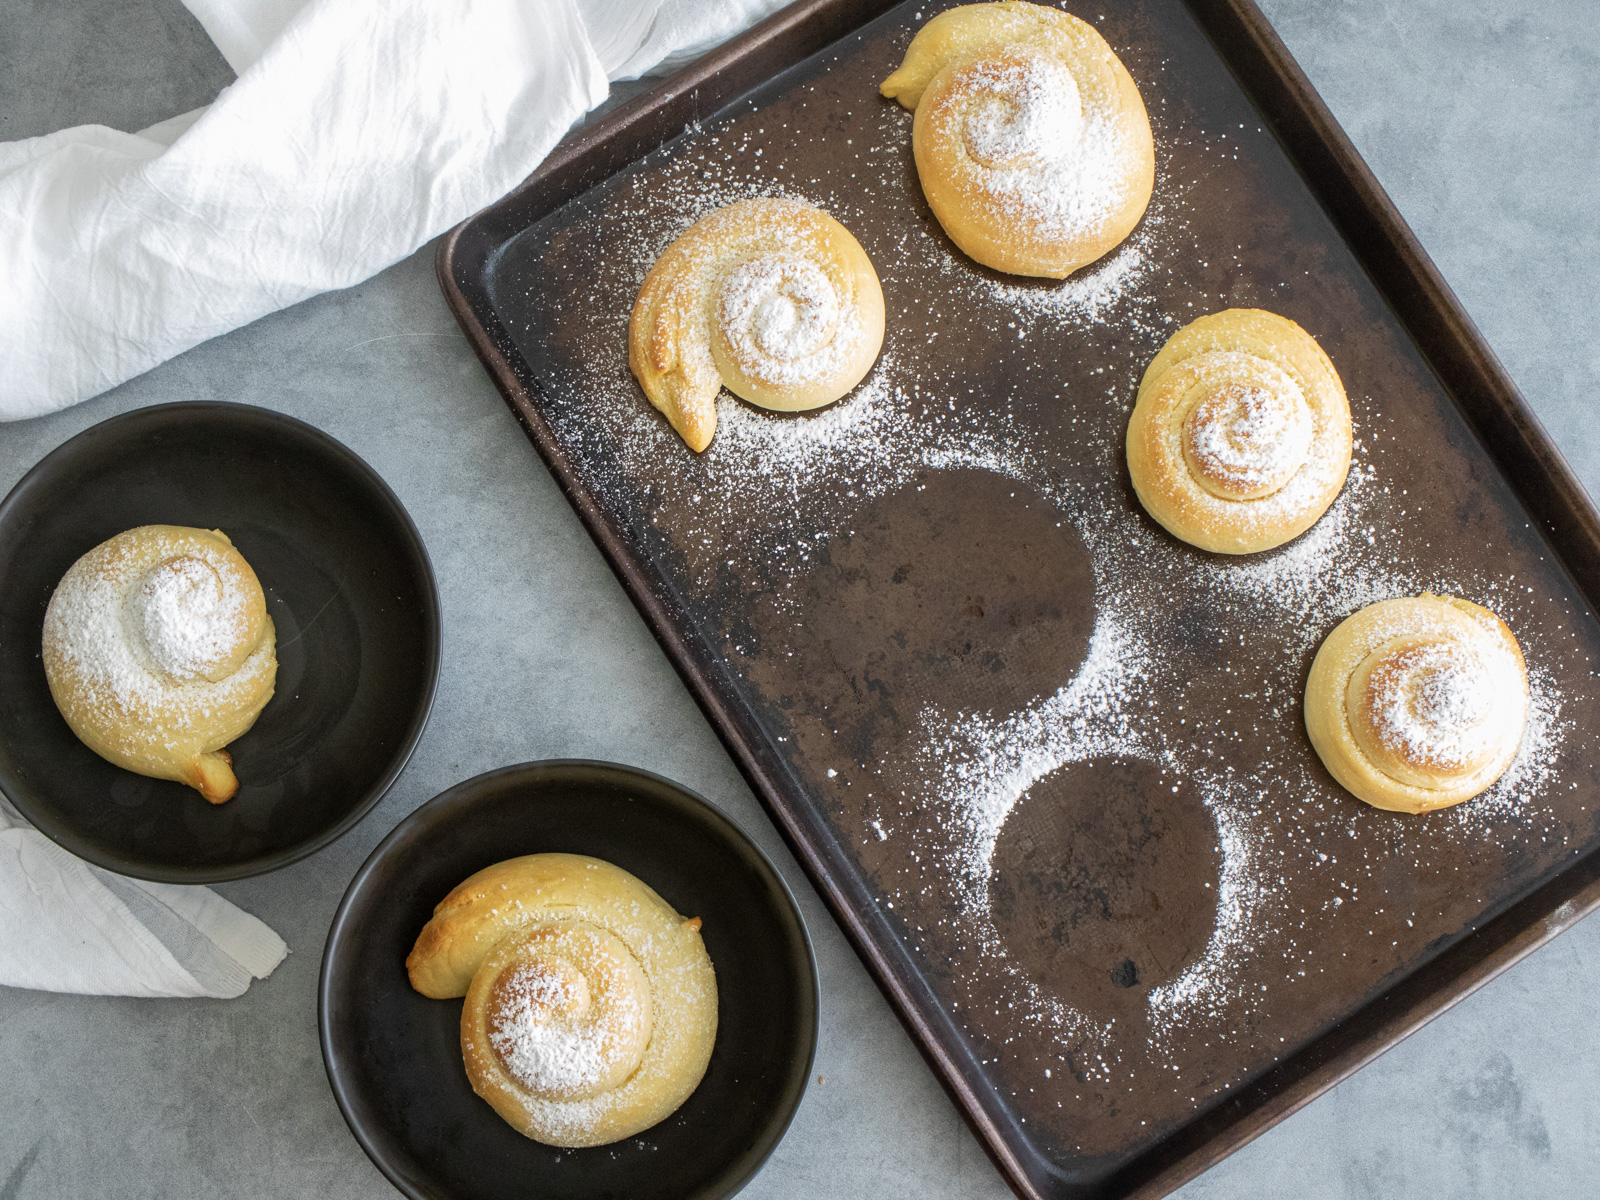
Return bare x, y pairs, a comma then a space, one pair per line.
591, 1006
1241, 437
772, 298
159, 652
1032, 142
1418, 703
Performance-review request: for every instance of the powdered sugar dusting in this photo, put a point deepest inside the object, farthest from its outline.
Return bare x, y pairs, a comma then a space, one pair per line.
1445, 706
1207, 985
1538, 765
1021, 109
189, 616
783, 322
1245, 441
987, 764
541, 1049
1035, 152
1251, 455
137, 627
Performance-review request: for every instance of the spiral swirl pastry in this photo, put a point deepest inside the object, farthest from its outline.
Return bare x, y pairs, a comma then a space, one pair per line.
772, 298
1240, 438
591, 1006
159, 652
1031, 140
1418, 703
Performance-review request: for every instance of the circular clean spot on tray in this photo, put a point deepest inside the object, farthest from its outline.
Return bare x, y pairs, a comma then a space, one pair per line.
1104, 881
964, 590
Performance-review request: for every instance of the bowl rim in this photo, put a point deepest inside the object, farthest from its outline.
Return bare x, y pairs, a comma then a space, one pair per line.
15, 505
545, 773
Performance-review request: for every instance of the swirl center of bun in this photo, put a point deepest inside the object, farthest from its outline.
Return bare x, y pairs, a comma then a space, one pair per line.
189, 619
1244, 441
1422, 708
780, 318
1025, 148
1020, 105
570, 1013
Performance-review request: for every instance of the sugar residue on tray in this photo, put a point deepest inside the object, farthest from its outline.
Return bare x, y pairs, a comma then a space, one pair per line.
1331, 568
985, 764
1203, 988
861, 433
1535, 768
1299, 862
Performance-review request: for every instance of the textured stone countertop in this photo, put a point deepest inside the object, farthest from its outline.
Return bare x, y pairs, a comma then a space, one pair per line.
1480, 117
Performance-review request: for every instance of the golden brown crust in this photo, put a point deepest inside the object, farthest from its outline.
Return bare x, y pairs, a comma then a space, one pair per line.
772, 298
1418, 703
1031, 140
1240, 438
159, 652
628, 977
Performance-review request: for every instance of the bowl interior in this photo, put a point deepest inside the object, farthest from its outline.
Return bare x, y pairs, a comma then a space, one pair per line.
394, 1056
348, 587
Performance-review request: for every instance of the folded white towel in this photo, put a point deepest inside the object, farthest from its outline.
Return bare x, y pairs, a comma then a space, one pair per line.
357, 131
66, 926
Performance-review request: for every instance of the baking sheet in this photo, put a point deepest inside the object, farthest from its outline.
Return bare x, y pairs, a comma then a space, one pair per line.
1049, 760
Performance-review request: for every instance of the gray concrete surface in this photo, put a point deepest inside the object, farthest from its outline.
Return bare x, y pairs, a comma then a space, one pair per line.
1481, 120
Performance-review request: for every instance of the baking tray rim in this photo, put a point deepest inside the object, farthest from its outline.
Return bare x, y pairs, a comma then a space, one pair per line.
1425, 306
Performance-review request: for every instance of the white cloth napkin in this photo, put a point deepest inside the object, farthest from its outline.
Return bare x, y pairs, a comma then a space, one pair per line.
66, 926
356, 131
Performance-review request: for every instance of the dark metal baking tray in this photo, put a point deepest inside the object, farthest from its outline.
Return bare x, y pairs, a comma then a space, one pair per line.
1046, 764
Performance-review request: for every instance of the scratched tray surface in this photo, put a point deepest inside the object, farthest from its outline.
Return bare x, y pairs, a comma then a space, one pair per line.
1062, 751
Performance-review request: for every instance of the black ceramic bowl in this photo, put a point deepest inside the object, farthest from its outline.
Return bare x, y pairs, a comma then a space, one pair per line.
348, 586
394, 1056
